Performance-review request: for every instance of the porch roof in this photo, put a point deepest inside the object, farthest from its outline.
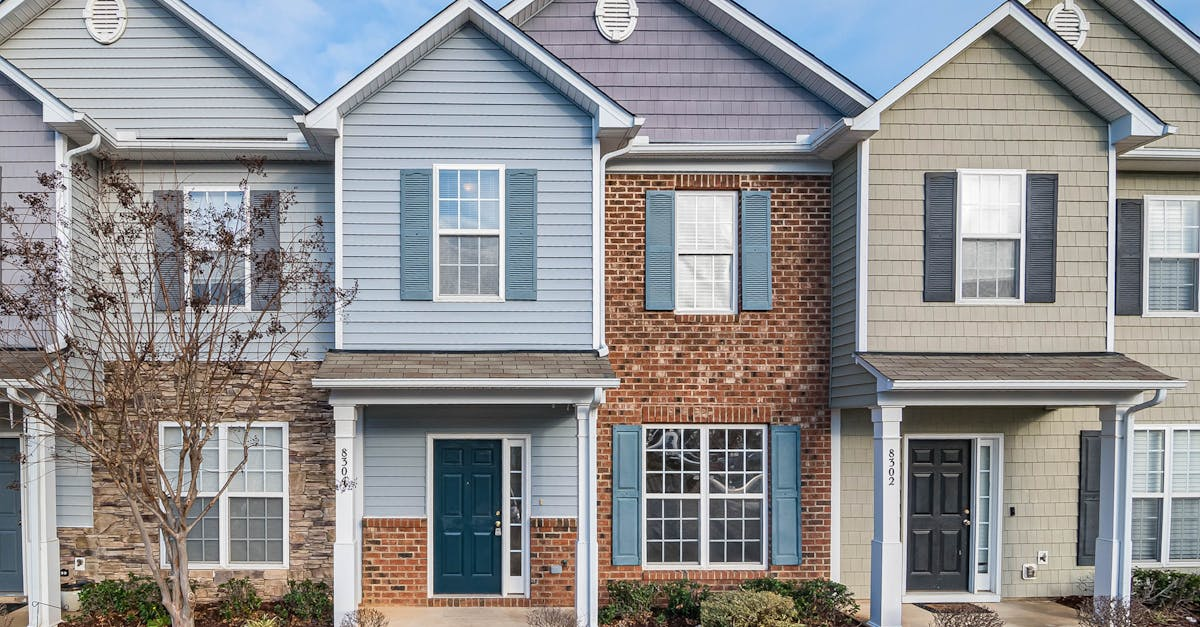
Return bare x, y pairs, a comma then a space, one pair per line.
370, 369
23, 364
1013, 371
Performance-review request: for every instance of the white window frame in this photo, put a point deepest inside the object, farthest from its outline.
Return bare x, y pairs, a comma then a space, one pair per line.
703, 499
223, 502
438, 232
734, 261
1146, 256
1167, 496
959, 236
188, 210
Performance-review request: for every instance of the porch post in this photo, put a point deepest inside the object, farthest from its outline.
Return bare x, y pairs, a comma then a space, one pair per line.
1114, 546
887, 551
585, 542
43, 586
346, 576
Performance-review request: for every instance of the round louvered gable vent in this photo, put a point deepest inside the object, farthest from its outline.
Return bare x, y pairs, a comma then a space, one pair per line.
105, 19
1068, 21
616, 19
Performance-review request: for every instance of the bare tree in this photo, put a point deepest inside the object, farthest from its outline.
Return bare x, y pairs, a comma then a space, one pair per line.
143, 313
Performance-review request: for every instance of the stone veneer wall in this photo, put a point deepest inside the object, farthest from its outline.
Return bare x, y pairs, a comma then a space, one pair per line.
768, 367
396, 565
113, 549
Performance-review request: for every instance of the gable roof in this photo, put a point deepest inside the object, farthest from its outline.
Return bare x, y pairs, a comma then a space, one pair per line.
1160, 29
1131, 123
16, 14
511, 39
54, 111
760, 38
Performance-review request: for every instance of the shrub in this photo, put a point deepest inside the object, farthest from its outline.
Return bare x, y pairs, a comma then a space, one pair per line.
552, 617
1106, 612
684, 598
1166, 589
986, 618
365, 617
237, 599
263, 620
306, 600
628, 600
819, 602
746, 608
135, 598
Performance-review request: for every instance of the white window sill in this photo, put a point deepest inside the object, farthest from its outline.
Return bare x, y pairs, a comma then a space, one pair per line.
697, 567
468, 299
991, 302
705, 312
274, 566
1171, 314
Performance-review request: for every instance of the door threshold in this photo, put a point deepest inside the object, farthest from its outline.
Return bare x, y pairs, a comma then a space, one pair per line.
12, 599
950, 597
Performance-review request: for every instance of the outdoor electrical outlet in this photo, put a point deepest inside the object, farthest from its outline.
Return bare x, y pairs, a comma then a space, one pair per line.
80, 563
1043, 557
1028, 571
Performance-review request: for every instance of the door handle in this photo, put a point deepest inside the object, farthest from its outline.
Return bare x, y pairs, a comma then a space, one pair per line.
966, 522
497, 524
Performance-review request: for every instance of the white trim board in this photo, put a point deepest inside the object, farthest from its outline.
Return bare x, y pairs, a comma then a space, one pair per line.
1132, 124
760, 38
437, 30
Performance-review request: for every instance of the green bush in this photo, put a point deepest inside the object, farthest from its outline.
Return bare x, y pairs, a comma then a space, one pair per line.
1166, 589
684, 598
747, 608
820, 602
628, 600
307, 600
135, 598
237, 599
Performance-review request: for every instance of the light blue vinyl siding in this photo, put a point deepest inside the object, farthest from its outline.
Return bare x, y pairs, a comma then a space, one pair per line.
468, 102
394, 453
162, 78
73, 485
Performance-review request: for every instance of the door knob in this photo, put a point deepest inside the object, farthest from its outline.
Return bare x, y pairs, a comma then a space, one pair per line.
497, 512
966, 512
497, 523
966, 523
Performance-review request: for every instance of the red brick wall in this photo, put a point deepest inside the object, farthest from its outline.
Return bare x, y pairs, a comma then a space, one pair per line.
396, 571
752, 367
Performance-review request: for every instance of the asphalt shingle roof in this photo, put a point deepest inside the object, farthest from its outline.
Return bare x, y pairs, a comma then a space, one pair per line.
1011, 367
21, 365
488, 365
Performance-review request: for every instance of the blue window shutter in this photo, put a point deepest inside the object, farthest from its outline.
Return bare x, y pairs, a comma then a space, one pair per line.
941, 197
168, 282
756, 251
660, 250
627, 495
1041, 237
1129, 257
416, 235
520, 235
266, 268
785, 495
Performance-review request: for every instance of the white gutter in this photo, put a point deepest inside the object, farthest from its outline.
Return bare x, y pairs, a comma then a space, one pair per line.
65, 212
599, 316
483, 384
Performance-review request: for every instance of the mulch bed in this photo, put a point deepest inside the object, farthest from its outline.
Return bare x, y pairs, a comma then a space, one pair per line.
952, 608
207, 615
1181, 617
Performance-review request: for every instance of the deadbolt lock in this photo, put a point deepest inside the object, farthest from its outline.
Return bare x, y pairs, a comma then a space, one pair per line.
966, 512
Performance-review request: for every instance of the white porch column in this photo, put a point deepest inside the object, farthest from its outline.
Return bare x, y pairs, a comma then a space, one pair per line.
347, 580
586, 591
887, 550
1114, 547
42, 584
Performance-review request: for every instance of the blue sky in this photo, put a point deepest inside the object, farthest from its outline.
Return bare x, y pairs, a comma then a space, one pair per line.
320, 44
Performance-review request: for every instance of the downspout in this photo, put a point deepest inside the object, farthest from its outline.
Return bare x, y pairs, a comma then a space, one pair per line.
598, 195
66, 213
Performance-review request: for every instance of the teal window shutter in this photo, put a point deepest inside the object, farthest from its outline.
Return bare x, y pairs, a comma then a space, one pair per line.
756, 251
660, 250
785, 495
416, 235
520, 235
627, 496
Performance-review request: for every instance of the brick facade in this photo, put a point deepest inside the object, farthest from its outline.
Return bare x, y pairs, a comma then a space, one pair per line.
751, 367
396, 565
113, 549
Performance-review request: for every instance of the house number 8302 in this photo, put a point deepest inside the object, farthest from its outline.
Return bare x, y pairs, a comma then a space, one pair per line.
891, 471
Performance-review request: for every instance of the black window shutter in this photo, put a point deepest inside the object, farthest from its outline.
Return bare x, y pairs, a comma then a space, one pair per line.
1129, 257
1041, 237
1089, 498
941, 194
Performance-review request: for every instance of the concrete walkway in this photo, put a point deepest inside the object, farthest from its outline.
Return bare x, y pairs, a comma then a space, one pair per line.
455, 616
15, 618
1015, 613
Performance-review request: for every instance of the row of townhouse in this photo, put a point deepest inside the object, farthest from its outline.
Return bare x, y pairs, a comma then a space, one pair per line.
653, 292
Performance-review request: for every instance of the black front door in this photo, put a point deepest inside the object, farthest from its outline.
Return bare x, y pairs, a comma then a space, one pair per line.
466, 517
939, 515
10, 517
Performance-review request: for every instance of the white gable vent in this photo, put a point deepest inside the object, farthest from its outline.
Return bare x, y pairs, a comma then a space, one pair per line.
1068, 21
616, 19
105, 19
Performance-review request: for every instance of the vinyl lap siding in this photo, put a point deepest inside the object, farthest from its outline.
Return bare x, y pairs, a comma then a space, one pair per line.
73, 485
467, 102
988, 108
689, 80
847, 380
1138, 67
395, 463
161, 79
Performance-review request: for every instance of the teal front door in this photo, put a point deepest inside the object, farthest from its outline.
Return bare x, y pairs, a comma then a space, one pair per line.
466, 517
10, 517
